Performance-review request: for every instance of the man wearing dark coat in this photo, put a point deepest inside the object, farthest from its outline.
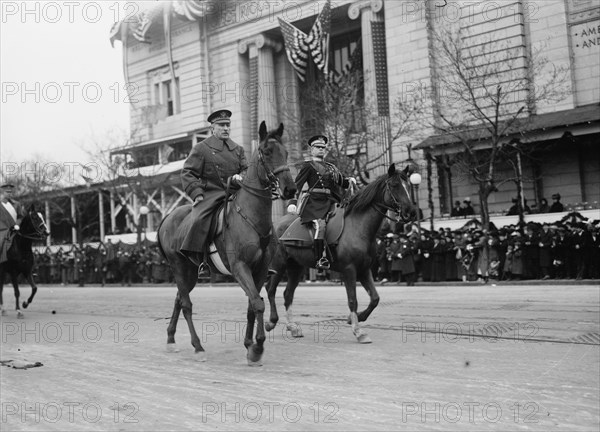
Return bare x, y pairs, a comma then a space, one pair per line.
204, 177
11, 213
545, 252
326, 186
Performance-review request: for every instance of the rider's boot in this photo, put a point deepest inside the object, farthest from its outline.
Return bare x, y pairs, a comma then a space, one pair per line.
320, 254
204, 268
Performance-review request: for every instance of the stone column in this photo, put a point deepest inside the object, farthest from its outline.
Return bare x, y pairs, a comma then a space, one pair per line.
263, 94
263, 97
368, 11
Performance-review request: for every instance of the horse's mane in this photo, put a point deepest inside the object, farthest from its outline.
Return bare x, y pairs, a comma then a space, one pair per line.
364, 197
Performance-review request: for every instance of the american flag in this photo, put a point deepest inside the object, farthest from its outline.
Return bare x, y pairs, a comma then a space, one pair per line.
295, 48
191, 9
115, 33
145, 19
318, 39
141, 26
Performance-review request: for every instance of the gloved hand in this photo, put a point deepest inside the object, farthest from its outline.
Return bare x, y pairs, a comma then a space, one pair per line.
237, 178
197, 200
16, 227
292, 208
352, 181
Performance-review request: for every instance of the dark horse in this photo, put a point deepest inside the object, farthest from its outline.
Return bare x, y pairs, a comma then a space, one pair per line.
354, 252
245, 245
20, 256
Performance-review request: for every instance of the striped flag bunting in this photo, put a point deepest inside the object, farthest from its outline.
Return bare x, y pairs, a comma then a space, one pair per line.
191, 9
318, 39
295, 48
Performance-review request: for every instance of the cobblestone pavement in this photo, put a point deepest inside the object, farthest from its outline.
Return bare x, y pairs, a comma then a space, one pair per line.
510, 357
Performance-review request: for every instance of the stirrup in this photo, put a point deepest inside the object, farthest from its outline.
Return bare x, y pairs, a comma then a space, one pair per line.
203, 270
323, 264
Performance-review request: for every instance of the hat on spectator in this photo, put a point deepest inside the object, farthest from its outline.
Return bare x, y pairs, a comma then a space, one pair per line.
467, 200
7, 186
556, 196
318, 141
220, 116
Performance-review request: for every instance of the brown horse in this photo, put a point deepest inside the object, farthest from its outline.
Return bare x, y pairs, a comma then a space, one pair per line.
20, 256
245, 245
354, 252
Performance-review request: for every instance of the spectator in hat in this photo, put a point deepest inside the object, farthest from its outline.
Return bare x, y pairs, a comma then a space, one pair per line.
326, 186
206, 171
544, 207
556, 206
457, 210
11, 213
467, 209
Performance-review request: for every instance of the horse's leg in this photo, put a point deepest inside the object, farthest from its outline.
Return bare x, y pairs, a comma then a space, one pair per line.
369, 284
251, 318
294, 276
272, 283
171, 346
185, 277
349, 278
244, 277
15, 281
33, 290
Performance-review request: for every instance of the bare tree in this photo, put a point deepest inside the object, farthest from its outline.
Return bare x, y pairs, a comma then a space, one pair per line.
484, 98
336, 108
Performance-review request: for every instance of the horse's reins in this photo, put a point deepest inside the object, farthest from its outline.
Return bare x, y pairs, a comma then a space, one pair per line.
397, 208
266, 192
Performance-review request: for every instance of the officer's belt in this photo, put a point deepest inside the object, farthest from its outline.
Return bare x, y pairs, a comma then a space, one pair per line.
321, 190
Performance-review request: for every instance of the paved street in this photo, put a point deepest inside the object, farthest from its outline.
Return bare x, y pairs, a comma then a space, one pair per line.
518, 357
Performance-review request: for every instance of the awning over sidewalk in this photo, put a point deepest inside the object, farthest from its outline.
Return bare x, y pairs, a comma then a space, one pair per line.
578, 121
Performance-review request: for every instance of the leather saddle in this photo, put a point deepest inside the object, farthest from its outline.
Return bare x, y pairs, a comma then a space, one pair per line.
301, 236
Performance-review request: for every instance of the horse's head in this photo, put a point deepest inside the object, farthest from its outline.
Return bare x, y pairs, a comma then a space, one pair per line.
396, 195
34, 225
273, 159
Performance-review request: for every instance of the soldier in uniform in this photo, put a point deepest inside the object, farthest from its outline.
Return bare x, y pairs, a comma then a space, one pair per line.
325, 188
204, 176
11, 214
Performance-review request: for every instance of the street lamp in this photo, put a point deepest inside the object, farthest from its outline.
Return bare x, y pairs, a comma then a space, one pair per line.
144, 210
415, 180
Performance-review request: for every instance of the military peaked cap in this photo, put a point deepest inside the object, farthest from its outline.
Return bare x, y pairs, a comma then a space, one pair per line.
220, 116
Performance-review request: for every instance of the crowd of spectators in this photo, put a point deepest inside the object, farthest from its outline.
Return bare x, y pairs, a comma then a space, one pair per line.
107, 263
550, 251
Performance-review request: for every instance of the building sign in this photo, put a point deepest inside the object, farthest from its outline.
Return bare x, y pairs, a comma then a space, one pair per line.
584, 32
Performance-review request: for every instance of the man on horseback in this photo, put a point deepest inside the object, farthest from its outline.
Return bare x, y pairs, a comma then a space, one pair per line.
326, 186
205, 174
10, 215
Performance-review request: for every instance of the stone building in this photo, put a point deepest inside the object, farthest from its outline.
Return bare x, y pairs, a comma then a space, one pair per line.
183, 60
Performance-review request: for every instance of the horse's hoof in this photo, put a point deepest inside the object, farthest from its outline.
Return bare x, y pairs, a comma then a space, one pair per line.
295, 330
200, 356
25, 304
364, 339
2, 311
254, 356
254, 363
269, 326
172, 348
20, 314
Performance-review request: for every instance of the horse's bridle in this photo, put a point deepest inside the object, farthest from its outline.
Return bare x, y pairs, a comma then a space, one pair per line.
273, 184
39, 231
396, 206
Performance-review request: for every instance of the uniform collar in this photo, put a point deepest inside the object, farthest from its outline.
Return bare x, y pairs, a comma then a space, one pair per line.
218, 144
